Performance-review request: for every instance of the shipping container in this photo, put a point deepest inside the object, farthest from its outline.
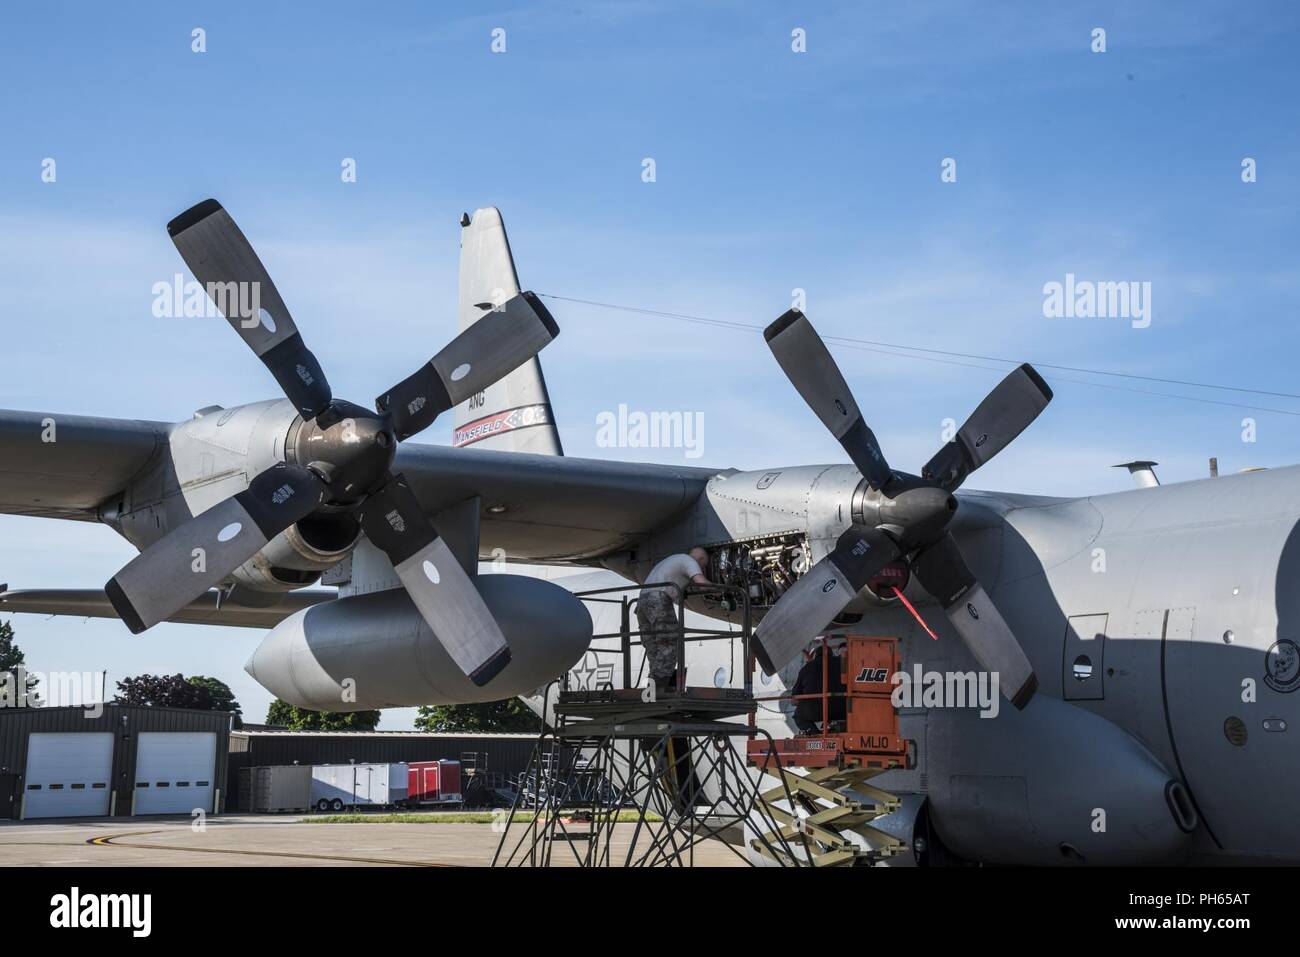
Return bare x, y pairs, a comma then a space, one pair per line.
434, 782
338, 786
286, 787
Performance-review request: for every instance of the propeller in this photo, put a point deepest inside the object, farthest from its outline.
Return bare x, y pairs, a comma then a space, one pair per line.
343, 454
441, 589
808, 365
218, 255
821, 594
494, 346
908, 517
189, 560
943, 573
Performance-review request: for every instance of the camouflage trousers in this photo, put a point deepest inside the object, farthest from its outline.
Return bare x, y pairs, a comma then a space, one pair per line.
657, 620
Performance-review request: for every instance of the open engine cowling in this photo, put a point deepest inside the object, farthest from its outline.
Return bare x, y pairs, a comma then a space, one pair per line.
375, 651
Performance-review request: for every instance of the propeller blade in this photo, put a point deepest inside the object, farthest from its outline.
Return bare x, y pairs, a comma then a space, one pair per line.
808, 365
444, 594
498, 343
943, 573
189, 560
1005, 412
223, 261
809, 605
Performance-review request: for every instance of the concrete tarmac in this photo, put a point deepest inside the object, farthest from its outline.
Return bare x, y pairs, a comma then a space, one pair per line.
278, 841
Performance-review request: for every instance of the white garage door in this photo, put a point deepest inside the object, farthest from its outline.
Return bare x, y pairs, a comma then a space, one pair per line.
174, 771
68, 774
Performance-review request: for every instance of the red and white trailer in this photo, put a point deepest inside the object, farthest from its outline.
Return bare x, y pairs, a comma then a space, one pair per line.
434, 782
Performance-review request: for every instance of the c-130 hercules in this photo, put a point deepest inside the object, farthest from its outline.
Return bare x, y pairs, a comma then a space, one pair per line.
1153, 701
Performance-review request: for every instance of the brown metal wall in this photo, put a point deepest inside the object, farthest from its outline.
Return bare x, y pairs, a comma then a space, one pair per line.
125, 721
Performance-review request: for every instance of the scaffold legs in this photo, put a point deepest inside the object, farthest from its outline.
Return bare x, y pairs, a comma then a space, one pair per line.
663, 784
825, 816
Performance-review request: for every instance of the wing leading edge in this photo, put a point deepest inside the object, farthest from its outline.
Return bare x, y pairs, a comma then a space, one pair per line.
65, 466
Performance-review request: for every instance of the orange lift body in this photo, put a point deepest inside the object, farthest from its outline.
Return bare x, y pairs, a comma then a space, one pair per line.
870, 737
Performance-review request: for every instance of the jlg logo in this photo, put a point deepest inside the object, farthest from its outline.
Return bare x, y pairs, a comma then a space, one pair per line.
871, 676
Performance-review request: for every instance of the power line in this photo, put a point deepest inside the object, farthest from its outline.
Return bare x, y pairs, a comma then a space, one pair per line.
931, 355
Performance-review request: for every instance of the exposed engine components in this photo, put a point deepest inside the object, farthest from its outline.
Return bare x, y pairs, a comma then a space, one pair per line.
764, 567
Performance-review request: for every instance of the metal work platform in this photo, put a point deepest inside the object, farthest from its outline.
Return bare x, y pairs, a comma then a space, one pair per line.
674, 778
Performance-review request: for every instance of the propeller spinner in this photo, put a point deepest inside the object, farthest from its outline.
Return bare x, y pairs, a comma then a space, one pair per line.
912, 519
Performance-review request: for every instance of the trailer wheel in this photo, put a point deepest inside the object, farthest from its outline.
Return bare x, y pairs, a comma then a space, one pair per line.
336, 805
323, 805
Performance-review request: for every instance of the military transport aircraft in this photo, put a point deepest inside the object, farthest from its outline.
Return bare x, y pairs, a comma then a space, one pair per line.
1145, 640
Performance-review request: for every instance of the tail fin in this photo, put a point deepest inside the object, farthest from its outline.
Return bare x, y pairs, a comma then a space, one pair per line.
514, 414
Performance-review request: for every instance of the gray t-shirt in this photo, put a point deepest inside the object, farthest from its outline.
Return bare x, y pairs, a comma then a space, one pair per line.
678, 569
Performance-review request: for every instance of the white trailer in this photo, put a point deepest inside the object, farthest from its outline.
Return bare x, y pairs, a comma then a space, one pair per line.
338, 786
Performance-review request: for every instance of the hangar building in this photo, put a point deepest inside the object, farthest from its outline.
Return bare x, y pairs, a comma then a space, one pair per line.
111, 760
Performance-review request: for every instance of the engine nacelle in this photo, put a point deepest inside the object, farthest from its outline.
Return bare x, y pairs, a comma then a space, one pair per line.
297, 556
1030, 787
377, 651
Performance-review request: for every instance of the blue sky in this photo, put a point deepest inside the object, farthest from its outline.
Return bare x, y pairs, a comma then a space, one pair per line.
775, 170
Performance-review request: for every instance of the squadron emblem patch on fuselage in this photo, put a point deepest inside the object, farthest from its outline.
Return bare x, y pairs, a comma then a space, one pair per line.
1282, 666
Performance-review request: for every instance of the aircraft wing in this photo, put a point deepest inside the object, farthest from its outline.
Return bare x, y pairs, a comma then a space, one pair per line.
93, 603
537, 507
551, 508
64, 466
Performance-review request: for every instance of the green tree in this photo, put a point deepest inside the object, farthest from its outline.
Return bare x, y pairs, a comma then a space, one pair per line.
223, 699
281, 714
167, 691
11, 660
500, 716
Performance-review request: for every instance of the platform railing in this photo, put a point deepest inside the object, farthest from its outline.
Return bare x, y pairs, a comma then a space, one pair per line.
628, 636
824, 696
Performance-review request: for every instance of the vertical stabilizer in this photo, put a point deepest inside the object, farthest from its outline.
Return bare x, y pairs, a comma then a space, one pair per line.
514, 415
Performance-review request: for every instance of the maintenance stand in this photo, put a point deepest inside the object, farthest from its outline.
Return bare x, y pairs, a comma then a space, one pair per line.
675, 778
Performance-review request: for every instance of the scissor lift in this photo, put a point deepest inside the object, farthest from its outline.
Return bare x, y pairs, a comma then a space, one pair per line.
823, 796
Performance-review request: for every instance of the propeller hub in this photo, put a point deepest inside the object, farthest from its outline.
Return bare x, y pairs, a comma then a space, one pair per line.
351, 447
915, 511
